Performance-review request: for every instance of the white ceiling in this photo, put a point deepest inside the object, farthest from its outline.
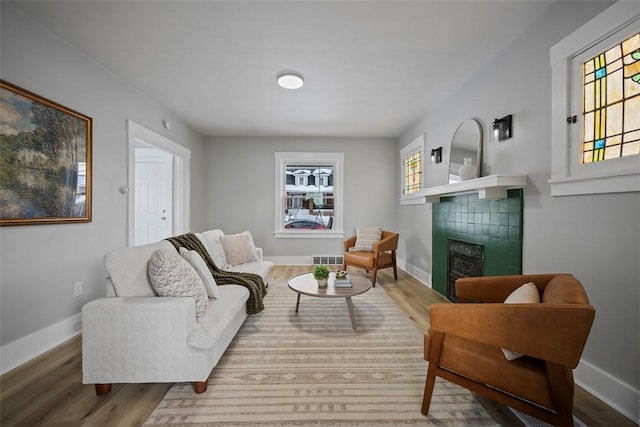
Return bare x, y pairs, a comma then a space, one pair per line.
371, 68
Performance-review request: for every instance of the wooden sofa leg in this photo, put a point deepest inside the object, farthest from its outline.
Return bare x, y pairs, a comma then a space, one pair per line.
200, 387
102, 389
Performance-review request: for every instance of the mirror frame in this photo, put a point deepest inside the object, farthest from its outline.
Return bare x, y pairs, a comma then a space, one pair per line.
471, 142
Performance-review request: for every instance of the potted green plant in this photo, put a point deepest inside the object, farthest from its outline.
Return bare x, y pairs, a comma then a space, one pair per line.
321, 274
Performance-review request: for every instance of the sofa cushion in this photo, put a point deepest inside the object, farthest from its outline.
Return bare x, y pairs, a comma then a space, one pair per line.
173, 276
261, 268
366, 237
205, 332
525, 294
212, 240
196, 261
239, 248
127, 269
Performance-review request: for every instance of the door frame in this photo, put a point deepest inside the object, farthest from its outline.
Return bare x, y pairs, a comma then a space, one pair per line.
181, 177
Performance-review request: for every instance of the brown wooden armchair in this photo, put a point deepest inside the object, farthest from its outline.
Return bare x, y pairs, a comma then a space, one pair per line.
464, 343
382, 256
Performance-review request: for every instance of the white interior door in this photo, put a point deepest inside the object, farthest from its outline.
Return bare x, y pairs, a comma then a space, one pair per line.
153, 195
172, 174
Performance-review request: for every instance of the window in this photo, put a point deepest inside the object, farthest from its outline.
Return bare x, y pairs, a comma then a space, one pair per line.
412, 167
308, 195
595, 133
611, 102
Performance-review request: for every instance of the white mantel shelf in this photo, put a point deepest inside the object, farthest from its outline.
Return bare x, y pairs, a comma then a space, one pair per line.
487, 187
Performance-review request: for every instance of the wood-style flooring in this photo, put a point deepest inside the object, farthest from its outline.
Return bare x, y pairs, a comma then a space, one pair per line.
48, 390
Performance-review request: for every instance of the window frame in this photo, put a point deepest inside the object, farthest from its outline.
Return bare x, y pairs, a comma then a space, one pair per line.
568, 176
417, 145
282, 159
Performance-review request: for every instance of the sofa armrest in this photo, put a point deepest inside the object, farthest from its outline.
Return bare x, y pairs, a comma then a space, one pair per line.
495, 289
552, 332
128, 332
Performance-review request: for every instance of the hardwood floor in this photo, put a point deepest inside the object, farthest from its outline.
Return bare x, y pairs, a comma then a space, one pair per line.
48, 390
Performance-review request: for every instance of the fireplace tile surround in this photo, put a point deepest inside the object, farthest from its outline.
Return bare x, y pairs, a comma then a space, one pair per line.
494, 223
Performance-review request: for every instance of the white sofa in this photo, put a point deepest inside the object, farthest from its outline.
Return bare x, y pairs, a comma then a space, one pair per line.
134, 336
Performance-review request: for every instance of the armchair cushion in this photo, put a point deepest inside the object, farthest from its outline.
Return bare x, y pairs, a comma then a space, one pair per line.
366, 237
173, 276
525, 294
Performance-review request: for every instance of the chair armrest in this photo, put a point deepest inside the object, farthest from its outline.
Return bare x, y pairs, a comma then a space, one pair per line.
553, 332
495, 289
389, 243
349, 243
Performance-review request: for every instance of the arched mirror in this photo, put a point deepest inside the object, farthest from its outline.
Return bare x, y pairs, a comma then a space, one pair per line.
465, 156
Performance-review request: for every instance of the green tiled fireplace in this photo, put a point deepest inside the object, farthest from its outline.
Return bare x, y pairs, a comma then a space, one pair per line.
494, 223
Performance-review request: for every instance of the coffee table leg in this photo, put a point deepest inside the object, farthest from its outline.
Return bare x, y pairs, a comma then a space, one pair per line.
352, 313
297, 303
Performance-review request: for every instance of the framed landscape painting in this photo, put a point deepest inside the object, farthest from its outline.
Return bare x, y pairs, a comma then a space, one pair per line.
45, 160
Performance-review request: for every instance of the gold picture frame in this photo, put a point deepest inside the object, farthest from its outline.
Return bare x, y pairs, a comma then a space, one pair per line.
45, 160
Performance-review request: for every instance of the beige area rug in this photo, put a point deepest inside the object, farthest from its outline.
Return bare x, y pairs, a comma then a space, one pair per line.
313, 369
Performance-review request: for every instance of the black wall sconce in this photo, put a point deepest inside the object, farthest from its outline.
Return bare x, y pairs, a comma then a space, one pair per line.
436, 155
502, 128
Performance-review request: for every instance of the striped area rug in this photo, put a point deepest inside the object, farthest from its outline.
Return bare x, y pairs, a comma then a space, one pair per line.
313, 369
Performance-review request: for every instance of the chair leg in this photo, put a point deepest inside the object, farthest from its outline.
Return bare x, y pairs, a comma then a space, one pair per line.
374, 277
395, 267
562, 391
437, 339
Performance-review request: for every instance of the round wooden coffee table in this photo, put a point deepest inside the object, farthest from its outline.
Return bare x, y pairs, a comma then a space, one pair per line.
305, 284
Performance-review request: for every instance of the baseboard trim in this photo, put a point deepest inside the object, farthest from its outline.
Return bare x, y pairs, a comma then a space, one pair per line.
415, 272
611, 390
33, 345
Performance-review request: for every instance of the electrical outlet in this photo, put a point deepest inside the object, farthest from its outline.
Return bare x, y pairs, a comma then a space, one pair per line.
77, 289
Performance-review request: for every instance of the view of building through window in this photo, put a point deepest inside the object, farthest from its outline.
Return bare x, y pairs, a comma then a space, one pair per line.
611, 103
309, 201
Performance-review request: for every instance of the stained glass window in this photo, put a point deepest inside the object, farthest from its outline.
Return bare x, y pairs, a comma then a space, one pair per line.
611, 89
413, 172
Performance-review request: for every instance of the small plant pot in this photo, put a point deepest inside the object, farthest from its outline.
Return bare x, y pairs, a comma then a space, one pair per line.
322, 283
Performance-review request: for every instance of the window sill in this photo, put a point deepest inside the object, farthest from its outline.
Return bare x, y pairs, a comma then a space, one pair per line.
624, 182
418, 200
309, 234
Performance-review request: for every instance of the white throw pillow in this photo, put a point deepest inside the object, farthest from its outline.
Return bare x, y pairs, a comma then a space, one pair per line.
239, 248
173, 276
203, 271
366, 237
525, 294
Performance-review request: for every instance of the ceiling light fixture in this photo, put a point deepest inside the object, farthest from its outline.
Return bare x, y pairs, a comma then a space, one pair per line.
290, 80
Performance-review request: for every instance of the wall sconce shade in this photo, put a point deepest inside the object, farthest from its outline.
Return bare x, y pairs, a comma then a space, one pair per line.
502, 128
436, 155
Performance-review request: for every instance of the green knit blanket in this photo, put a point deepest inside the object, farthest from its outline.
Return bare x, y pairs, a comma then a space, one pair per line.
253, 282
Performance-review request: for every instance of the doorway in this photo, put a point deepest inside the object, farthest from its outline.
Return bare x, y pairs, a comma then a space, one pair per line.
158, 182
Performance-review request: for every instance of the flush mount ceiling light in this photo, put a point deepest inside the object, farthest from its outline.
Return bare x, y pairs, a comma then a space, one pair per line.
290, 80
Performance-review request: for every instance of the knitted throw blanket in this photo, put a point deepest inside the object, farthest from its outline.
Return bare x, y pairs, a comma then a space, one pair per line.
253, 282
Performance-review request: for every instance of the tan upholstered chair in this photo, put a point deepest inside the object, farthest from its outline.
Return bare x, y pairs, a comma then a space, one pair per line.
382, 256
464, 343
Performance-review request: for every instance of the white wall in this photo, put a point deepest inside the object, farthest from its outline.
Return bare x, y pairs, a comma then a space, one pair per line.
241, 185
39, 264
595, 237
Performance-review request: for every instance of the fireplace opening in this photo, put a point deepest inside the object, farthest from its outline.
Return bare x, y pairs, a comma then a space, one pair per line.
464, 259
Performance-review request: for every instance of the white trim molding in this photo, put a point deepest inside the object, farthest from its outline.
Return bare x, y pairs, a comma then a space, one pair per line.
33, 345
568, 177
